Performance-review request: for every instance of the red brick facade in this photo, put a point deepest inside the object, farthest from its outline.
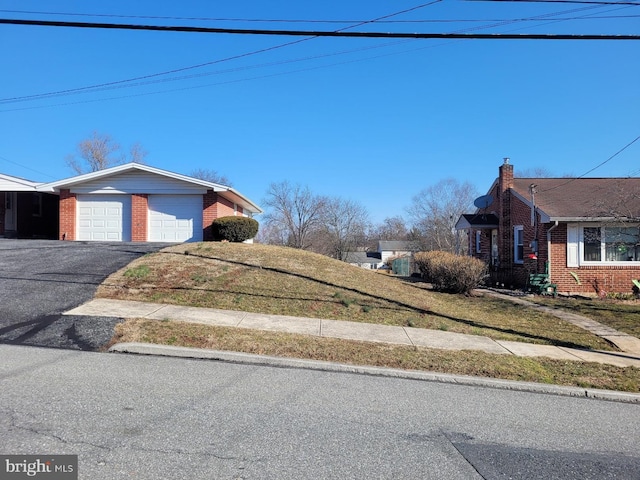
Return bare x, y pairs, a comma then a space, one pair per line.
67, 215
139, 209
512, 211
214, 206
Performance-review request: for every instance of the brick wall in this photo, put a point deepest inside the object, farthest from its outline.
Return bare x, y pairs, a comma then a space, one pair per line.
139, 217
591, 280
214, 206
67, 215
209, 213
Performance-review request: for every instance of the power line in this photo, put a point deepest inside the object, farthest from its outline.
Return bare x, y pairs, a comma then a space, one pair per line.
127, 83
25, 167
311, 21
596, 167
235, 57
635, 4
321, 33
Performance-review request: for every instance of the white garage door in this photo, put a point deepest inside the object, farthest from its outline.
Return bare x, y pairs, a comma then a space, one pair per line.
104, 218
175, 218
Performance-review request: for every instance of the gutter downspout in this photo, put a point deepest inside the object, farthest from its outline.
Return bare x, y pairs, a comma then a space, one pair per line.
549, 248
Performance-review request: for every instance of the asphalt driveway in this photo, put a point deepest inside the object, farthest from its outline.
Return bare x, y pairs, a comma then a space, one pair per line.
40, 279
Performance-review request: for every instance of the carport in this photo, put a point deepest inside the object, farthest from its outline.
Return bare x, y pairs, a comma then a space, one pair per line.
26, 212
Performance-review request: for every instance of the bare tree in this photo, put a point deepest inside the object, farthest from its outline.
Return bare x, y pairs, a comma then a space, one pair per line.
99, 152
391, 228
435, 211
344, 224
539, 172
137, 153
294, 210
210, 176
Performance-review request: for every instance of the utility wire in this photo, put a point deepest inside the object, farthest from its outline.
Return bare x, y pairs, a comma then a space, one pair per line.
235, 57
25, 167
127, 84
321, 33
596, 167
292, 20
635, 4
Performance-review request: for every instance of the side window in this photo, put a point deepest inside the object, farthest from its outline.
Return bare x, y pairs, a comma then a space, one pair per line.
518, 244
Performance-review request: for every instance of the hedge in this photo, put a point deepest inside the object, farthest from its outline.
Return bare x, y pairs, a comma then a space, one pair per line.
234, 229
451, 273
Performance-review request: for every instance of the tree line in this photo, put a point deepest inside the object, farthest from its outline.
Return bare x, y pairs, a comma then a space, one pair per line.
299, 218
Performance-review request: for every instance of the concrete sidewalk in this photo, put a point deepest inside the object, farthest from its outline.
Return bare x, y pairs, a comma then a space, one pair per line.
351, 331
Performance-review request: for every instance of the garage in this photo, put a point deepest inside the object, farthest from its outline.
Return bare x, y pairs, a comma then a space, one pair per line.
104, 218
175, 218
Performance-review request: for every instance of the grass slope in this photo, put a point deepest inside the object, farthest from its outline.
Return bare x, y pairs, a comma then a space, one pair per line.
286, 281
278, 280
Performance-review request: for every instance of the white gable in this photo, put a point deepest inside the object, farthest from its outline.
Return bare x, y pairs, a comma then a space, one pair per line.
137, 181
15, 184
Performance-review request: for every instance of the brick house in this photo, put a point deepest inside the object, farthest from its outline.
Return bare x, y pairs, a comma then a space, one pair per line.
584, 231
130, 202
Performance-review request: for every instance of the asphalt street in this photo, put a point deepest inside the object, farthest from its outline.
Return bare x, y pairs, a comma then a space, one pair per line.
40, 279
148, 417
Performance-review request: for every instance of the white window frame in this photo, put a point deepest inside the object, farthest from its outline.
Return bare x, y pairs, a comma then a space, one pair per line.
478, 241
516, 229
581, 248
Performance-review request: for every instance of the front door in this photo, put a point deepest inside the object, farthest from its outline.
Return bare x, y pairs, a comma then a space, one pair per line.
494, 247
10, 213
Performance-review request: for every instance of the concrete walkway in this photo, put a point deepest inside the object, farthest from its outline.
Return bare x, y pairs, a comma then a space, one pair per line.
625, 342
356, 331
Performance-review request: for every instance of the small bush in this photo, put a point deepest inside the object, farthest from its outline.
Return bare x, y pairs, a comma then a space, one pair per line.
451, 273
234, 229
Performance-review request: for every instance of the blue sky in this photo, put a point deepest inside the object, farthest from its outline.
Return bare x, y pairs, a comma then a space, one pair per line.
371, 120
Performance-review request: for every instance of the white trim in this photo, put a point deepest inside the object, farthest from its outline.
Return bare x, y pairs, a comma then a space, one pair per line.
573, 246
227, 192
577, 242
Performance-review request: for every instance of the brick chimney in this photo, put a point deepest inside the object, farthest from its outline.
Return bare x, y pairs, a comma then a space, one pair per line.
505, 183
505, 176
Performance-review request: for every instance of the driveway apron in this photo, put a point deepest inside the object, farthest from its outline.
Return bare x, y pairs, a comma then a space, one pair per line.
40, 279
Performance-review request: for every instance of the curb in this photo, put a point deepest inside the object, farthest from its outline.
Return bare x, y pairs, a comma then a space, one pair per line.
283, 362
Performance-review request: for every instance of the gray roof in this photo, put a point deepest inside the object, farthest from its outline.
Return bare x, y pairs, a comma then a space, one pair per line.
397, 246
361, 257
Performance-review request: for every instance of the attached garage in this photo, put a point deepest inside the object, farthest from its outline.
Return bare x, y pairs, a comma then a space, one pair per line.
175, 218
104, 218
140, 203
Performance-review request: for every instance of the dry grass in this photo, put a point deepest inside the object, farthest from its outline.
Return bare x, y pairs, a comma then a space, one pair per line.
621, 315
541, 370
279, 280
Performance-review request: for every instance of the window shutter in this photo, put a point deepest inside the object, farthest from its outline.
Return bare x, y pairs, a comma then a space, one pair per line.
572, 245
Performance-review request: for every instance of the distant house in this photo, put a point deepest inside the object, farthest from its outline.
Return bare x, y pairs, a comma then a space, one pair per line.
396, 248
130, 202
368, 260
386, 249
585, 232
